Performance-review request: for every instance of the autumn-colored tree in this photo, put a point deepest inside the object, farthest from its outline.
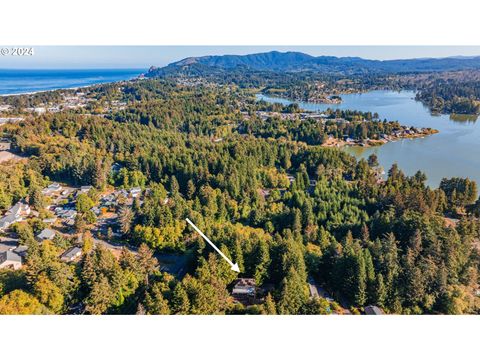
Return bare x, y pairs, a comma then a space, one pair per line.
88, 242
84, 203
49, 294
19, 302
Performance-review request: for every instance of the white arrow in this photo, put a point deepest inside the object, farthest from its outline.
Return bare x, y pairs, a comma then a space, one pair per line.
234, 267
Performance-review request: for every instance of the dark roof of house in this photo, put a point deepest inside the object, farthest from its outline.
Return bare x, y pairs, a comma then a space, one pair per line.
244, 286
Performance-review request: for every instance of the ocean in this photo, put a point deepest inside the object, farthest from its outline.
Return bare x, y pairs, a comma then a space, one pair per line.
28, 81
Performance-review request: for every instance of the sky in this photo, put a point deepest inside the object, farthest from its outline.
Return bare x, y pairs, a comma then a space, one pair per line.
142, 57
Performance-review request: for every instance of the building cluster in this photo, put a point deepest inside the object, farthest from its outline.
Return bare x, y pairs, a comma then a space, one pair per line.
265, 115
69, 102
14, 256
62, 207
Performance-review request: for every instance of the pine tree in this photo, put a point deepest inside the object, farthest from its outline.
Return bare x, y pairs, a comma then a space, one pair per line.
360, 295
190, 189
100, 298
146, 261
269, 305
380, 295
125, 217
365, 235
180, 304
297, 220
293, 294
155, 302
174, 187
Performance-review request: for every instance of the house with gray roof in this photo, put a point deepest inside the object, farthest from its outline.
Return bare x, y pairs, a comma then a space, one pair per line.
71, 254
7, 220
373, 310
52, 188
10, 260
46, 234
19, 209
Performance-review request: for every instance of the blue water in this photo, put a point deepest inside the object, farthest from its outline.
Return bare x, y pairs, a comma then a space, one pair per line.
27, 81
454, 151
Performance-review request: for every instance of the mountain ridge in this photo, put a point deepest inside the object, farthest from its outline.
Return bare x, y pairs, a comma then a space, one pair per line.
292, 61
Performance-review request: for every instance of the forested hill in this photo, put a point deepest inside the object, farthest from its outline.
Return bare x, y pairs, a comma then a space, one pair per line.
297, 61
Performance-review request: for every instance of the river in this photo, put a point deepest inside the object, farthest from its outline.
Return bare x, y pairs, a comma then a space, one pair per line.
454, 151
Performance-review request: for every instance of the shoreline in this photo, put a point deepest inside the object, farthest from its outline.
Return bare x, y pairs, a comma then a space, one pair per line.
71, 88
292, 100
338, 143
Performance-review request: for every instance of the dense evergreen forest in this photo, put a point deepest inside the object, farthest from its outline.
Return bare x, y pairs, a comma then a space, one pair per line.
276, 202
